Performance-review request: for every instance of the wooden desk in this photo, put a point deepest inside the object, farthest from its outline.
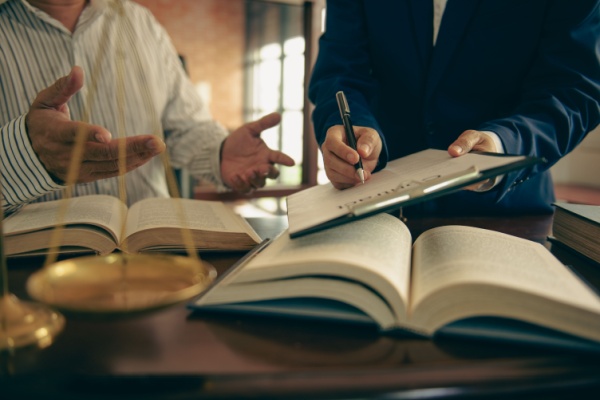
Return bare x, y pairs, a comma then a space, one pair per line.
172, 354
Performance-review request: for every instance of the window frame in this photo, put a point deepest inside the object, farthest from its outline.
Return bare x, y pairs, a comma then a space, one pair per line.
312, 27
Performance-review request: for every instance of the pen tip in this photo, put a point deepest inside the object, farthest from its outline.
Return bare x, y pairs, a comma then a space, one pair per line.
361, 175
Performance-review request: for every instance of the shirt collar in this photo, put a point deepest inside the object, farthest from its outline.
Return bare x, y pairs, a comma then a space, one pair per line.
94, 9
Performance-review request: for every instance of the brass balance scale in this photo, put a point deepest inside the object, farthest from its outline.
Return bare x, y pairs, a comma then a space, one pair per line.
119, 284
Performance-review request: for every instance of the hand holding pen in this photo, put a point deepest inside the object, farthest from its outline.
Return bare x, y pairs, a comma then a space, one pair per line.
350, 136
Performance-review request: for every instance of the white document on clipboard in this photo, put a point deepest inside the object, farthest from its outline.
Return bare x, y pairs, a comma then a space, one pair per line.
408, 180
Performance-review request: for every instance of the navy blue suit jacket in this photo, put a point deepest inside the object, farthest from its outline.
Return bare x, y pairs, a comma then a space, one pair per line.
527, 70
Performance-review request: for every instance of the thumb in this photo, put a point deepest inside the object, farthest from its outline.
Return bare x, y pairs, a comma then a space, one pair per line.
57, 95
368, 143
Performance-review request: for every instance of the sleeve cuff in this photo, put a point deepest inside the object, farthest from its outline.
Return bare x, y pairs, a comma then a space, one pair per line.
24, 178
199, 152
497, 141
492, 183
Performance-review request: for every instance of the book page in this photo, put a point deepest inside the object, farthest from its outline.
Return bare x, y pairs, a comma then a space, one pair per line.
99, 210
374, 251
212, 216
400, 175
458, 255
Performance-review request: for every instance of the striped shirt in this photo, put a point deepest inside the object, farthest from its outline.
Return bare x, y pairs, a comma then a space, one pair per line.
138, 60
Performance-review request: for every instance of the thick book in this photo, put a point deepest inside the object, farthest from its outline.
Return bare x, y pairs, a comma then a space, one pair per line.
578, 227
101, 224
408, 180
453, 280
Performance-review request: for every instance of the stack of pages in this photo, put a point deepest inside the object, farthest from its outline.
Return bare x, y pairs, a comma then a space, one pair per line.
577, 226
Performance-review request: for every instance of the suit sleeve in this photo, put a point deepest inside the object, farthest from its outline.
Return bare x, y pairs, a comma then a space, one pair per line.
343, 63
560, 102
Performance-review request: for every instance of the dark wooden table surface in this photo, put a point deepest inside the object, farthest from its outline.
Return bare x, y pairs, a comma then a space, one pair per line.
173, 354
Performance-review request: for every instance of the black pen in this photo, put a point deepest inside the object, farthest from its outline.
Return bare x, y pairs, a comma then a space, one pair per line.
345, 113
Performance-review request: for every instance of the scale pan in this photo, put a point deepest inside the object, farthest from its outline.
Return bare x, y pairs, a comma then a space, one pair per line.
119, 283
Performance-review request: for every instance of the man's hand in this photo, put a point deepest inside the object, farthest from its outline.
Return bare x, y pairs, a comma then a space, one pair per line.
474, 140
246, 160
339, 158
53, 135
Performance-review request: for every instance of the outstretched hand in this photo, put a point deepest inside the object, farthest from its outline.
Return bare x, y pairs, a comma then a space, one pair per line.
53, 134
246, 160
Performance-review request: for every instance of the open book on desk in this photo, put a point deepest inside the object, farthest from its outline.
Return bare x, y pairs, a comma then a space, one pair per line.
368, 271
94, 224
408, 180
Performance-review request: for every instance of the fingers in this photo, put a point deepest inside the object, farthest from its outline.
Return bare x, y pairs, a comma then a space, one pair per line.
68, 132
471, 140
264, 123
367, 142
335, 142
278, 157
101, 160
339, 159
141, 146
340, 172
254, 179
57, 95
480, 186
94, 170
244, 178
245, 184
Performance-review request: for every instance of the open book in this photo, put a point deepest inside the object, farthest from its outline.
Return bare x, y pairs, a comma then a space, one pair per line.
95, 223
408, 180
368, 271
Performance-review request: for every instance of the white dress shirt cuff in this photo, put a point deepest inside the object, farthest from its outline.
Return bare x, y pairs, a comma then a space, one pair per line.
491, 183
497, 141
